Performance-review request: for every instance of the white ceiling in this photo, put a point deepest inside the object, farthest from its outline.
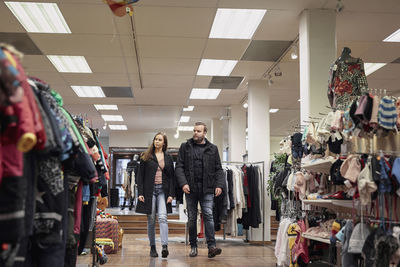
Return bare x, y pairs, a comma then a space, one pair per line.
172, 39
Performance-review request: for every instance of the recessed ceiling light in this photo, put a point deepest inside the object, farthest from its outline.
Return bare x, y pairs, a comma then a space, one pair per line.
185, 128
76, 64
106, 107
88, 91
372, 67
216, 67
394, 37
112, 117
188, 108
39, 17
273, 110
236, 23
200, 93
118, 127
184, 119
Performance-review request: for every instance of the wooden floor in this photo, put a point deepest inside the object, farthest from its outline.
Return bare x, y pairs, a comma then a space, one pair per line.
235, 252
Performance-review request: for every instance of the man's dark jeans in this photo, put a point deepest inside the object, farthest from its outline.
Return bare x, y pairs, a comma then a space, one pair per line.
206, 203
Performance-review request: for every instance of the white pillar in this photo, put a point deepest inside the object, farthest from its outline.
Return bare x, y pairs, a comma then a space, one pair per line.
259, 146
217, 135
317, 43
237, 133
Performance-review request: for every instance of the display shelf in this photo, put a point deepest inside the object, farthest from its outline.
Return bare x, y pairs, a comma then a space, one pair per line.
319, 239
330, 203
320, 165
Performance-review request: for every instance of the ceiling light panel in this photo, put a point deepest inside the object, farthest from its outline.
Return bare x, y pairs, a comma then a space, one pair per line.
202, 93
39, 17
372, 67
394, 37
188, 108
118, 127
88, 91
112, 117
185, 128
184, 119
216, 67
273, 110
106, 107
236, 23
75, 64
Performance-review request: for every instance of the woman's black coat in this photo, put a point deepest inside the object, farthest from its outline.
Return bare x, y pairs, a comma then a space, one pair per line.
145, 182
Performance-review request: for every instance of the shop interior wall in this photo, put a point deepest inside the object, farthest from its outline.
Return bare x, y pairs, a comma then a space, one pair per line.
143, 139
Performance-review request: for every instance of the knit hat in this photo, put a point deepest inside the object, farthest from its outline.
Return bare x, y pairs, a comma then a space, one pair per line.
387, 115
375, 107
351, 168
358, 237
365, 184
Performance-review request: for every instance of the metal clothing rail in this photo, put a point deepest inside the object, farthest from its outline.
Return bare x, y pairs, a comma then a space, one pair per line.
262, 191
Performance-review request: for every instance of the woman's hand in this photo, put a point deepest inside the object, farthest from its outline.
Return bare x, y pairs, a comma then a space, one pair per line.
141, 198
169, 200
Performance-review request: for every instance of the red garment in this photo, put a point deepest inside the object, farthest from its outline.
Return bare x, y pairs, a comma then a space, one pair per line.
107, 174
300, 248
78, 208
246, 185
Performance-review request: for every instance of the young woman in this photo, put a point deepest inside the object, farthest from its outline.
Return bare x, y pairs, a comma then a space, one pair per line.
156, 190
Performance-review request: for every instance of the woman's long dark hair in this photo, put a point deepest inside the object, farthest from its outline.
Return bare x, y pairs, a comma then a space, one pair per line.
150, 151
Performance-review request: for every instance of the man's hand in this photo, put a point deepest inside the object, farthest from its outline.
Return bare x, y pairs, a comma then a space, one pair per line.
218, 191
169, 200
141, 198
186, 189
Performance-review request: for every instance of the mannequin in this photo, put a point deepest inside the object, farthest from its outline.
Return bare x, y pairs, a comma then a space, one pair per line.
129, 181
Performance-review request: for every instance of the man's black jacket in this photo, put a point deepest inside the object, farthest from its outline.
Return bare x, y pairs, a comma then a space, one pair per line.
213, 175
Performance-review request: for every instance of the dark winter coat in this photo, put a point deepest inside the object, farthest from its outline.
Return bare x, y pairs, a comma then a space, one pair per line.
213, 175
145, 182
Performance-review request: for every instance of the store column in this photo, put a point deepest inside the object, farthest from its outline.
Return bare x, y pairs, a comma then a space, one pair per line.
317, 45
259, 146
217, 135
237, 133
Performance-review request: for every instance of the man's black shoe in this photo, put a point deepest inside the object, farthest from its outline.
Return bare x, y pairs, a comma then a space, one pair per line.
193, 252
212, 252
153, 252
164, 251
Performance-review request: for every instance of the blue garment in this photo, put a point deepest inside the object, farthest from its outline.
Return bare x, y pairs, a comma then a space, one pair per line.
206, 203
86, 193
385, 185
159, 203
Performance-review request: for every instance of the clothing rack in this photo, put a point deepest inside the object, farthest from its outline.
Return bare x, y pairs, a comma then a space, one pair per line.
262, 191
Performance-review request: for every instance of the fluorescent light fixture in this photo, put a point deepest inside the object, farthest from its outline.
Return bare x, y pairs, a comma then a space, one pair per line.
106, 107
200, 93
185, 128
394, 37
188, 108
236, 23
88, 91
216, 67
77, 64
39, 17
118, 127
372, 67
112, 117
273, 110
184, 119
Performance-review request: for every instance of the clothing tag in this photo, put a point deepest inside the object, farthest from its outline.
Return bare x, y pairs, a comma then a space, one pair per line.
335, 67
